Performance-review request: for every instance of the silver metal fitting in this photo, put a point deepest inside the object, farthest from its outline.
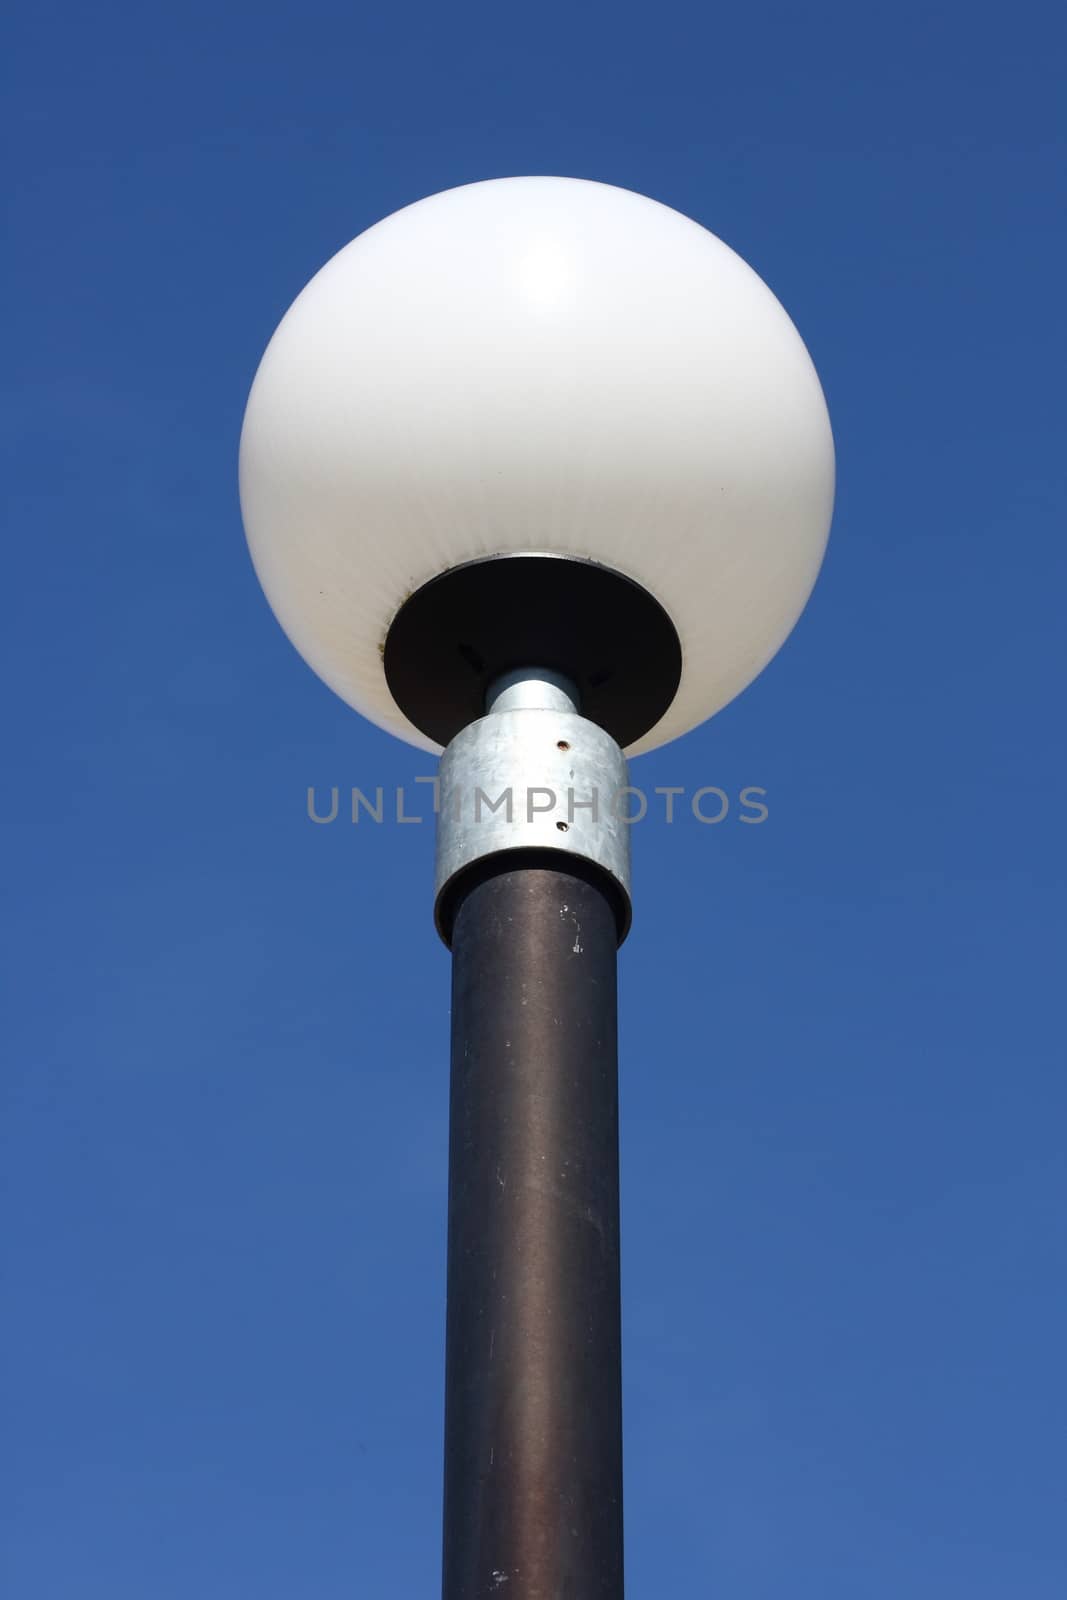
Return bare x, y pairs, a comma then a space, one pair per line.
533, 774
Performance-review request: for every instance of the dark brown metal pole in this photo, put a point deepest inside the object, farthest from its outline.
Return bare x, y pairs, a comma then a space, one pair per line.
533, 1393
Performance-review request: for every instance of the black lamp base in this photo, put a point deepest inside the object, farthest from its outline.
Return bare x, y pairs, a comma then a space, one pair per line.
602, 631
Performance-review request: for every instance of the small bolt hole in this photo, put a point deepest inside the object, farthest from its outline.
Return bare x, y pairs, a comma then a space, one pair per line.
562, 826
561, 744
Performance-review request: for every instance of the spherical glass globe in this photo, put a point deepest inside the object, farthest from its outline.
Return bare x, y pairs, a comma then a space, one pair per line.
538, 365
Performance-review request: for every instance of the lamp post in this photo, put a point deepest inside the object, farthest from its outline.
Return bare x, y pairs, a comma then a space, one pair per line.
536, 471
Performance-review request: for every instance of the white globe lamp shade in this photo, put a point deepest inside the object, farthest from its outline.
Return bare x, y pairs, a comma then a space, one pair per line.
538, 366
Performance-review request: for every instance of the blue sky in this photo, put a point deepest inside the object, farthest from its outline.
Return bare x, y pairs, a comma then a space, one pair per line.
843, 1101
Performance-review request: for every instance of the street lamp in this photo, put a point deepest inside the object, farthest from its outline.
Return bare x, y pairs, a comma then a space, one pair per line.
536, 471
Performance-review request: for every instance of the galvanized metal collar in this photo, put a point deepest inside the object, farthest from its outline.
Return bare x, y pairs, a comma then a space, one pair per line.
532, 775
541, 690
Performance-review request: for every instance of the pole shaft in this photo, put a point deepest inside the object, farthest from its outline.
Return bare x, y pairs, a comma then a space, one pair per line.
533, 1393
